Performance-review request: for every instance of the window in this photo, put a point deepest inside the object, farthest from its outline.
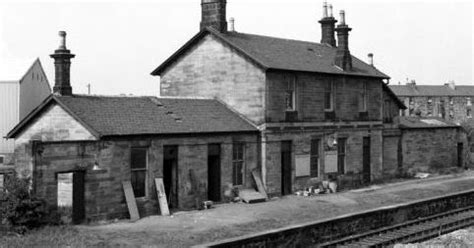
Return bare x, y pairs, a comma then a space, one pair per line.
290, 94
341, 155
138, 169
430, 106
468, 113
363, 98
314, 160
441, 109
2, 160
468, 100
2, 182
451, 101
329, 96
238, 164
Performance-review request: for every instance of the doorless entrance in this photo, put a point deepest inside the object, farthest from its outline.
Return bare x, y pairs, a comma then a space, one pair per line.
170, 174
214, 172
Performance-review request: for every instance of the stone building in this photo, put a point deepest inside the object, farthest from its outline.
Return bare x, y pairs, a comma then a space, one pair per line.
23, 86
449, 101
321, 112
199, 147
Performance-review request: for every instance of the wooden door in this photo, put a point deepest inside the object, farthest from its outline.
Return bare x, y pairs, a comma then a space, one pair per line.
366, 172
286, 167
460, 154
78, 200
214, 172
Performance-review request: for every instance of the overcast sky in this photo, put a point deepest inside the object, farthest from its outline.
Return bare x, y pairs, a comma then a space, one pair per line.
118, 43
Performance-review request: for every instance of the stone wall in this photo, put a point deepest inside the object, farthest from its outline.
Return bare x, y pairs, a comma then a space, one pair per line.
103, 188
301, 146
310, 97
54, 124
431, 149
214, 70
391, 154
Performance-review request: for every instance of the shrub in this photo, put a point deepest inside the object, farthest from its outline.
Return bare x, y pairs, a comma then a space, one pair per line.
20, 209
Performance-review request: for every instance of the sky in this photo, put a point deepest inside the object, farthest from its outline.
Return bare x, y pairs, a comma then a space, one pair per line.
118, 43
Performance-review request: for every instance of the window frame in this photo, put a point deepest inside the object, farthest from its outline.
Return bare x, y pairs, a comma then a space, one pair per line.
290, 92
314, 157
145, 170
237, 160
329, 85
341, 167
363, 104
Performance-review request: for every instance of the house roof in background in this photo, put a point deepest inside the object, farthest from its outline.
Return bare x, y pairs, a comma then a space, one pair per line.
407, 122
280, 54
15, 69
117, 116
432, 90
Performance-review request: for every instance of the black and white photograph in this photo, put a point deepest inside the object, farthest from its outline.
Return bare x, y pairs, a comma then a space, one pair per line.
236, 123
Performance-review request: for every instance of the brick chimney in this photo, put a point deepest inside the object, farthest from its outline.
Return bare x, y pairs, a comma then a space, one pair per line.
213, 15
62, 63
343, 55
327, 26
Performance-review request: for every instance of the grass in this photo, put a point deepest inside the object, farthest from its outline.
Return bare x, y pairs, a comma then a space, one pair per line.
50, 236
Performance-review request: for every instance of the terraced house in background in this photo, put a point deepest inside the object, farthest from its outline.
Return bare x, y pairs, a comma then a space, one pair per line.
321, 111
449, 101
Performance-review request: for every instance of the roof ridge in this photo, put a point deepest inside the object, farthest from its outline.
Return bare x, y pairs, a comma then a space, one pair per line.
281, 38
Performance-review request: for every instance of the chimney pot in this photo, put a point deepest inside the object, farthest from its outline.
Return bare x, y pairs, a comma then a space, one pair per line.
343, 17
325, 9
62, 63
330, 10
232, 24
371, 59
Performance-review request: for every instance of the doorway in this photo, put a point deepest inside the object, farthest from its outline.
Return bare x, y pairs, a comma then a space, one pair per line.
460, 154
170, 174
71, 202
366, 160
286, 167
214, 172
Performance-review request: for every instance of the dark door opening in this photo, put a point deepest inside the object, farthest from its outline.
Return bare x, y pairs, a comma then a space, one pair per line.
286, 167
366, 160
78, 201
214, 172
170, 174
460, 154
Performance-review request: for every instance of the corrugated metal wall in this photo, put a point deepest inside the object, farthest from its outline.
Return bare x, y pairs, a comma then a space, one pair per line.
9, 113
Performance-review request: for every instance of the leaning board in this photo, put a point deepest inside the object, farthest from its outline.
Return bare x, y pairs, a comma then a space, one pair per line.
258, 181
131, 203
160, 191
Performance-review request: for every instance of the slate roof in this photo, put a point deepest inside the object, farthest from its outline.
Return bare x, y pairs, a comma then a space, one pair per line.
116, 116
432, 90
407, 122
281, 54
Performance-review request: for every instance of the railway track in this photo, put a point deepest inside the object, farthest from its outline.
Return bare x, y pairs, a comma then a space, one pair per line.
413, 231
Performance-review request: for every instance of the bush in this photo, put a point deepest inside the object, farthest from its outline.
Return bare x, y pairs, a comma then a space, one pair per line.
20, 209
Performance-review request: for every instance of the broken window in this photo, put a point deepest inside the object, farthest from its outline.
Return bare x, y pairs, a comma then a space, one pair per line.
138, 171
238, 163
363, 98
314, 160
329, 96
290, 97
341, 155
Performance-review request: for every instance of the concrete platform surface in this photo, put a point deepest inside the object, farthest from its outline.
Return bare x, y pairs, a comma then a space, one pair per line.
184, 229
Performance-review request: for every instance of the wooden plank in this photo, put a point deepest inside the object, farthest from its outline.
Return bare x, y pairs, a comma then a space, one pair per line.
258, 181
251, 196
160, 191
131, 203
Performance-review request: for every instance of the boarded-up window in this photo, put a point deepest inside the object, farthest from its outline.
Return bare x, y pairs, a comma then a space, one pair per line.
314, 163
138, 173
238, 163
302, 168
341, 155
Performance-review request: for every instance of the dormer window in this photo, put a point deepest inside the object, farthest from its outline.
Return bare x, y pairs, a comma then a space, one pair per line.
290, 94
